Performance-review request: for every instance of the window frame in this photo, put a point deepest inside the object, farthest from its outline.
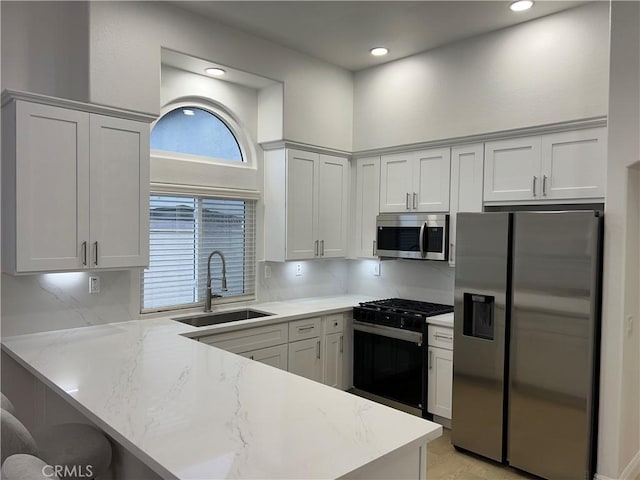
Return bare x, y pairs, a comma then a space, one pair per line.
242, 139
199, 194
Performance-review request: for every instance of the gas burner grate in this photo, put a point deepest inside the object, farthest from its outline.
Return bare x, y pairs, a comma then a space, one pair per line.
408, 306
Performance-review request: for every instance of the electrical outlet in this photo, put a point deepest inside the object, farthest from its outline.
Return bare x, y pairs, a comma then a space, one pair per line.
629, 326
267, 271
298, 269
94, 284
376, 269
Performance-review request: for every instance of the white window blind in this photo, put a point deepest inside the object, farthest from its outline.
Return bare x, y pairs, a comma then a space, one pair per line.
184, 230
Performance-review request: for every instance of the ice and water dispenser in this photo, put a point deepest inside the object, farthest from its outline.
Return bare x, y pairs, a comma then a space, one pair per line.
478, 316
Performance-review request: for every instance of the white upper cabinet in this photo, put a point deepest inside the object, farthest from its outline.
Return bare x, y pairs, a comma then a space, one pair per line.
119, 192
512, 169
367, 205
560, 166
415, 181
306, 200
431, 173
467, 164
574, 164
75, 188
302, 204
333, 212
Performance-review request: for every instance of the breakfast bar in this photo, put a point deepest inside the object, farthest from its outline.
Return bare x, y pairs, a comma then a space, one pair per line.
189, 410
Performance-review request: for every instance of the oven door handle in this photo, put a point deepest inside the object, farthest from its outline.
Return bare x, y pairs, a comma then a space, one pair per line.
421, 240
390, 332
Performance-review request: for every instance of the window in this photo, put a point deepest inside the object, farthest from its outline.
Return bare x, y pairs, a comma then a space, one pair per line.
183, 231
195, 131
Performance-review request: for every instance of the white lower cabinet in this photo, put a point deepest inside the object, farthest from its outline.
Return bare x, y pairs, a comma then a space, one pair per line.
312, 347
440, 371
304, 358
275, 356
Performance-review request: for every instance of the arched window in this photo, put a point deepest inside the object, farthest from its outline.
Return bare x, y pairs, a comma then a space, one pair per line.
195, 131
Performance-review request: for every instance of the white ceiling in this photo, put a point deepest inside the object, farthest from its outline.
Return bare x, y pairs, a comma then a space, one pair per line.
342, 32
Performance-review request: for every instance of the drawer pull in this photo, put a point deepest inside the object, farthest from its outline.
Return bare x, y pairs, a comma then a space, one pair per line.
318, 349
304, 329
341, 343
430, 357
444, 337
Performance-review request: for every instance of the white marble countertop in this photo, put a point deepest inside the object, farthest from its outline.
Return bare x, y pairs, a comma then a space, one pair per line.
444, 320
190, 410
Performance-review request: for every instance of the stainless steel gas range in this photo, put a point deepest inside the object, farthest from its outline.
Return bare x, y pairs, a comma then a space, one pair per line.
390, 351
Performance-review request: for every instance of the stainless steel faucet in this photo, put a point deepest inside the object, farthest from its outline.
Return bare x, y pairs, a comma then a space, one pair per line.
207, 304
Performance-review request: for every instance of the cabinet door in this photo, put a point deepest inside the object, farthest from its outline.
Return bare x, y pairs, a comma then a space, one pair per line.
51, 188
431, 175
467, 175
119, 193
396, 182
512, 170
440, 380
304, 358
302, 204
333, 206
333, 359
367, 205
574, 164
274, 356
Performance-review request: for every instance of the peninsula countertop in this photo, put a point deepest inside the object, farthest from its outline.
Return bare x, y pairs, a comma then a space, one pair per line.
190, 410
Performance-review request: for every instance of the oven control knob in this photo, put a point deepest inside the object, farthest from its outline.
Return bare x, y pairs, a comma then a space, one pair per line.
402, 323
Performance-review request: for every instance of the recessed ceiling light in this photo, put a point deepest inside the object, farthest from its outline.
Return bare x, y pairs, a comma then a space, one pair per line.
188, 112
379, 51
216, 72
521, 5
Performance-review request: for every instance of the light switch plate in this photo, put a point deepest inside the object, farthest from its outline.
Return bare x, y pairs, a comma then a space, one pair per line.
376, 269
267, 271
298, 269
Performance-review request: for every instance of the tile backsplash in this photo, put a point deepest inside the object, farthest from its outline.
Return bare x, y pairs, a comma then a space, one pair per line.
35, 303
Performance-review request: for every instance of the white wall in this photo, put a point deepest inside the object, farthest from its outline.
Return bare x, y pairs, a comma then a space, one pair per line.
619, 427
45, 48
125, 47
544, 71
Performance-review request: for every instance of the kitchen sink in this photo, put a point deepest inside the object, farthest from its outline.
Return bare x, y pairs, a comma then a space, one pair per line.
203, 320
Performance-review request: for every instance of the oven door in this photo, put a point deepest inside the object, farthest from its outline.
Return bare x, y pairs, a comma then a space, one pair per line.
389, 362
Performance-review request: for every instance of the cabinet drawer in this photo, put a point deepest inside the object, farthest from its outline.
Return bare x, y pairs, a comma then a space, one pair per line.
333, 323
441, 337
304, 328
241, 341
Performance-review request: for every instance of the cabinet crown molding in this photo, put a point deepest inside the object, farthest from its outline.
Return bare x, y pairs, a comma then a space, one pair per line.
12, 95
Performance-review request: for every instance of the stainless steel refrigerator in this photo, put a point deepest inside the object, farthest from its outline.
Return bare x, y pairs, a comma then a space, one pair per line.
526, 339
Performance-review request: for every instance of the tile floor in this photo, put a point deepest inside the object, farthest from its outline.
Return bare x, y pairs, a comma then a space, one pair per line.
446, 463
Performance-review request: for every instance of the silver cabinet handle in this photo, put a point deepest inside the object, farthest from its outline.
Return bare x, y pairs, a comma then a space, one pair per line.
304, 329
318, 349
408, 195
533, 185
452, 252
544, 185
84, 253
415, 200
430, 358
315, 248
374, 248
95, 245
322, 248
445, 337
341, 343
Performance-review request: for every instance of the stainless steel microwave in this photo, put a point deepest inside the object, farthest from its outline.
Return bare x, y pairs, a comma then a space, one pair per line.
413, 235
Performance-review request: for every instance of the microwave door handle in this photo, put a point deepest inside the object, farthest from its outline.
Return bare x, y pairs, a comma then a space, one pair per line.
421, 242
